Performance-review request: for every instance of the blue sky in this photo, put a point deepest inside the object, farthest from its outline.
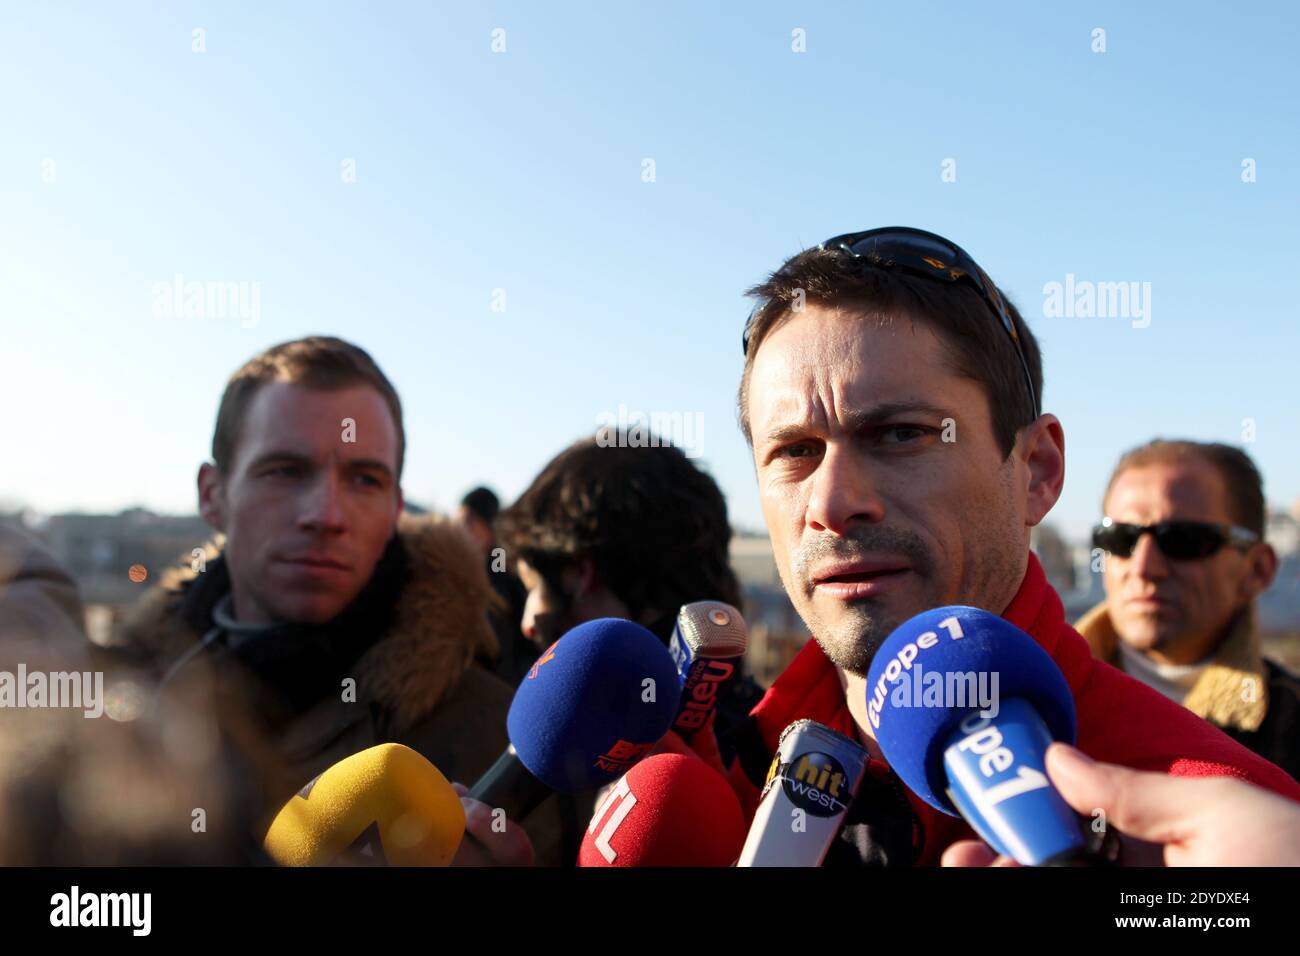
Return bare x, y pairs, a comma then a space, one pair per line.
126, 159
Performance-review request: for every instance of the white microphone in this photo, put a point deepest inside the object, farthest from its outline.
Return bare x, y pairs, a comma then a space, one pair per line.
815, 775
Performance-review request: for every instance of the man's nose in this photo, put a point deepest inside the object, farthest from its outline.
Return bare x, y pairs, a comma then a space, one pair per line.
323, 509
528, 619
843, 494
1147, 561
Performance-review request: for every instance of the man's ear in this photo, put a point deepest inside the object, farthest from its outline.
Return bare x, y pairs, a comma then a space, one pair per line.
588, 580
212, 497
1263, 569
1042, 447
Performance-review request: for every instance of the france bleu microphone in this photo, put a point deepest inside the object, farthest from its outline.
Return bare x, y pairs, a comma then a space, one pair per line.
964, 705
707, 645
593, 704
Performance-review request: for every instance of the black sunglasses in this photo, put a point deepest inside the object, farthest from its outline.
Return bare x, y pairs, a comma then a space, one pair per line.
929, 256
1180, 540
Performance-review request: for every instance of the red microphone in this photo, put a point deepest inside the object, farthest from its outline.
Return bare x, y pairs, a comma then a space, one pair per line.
668, 810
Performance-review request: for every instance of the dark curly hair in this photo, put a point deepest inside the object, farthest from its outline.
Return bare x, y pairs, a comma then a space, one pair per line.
653, 524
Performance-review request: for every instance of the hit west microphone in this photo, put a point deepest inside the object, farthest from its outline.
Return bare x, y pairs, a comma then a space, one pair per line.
707, 645
668, 810
593, 704
384, 805
964, 705
814, 778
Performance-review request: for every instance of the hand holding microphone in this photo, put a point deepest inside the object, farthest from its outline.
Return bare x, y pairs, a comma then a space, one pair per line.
490, 838
1214, 821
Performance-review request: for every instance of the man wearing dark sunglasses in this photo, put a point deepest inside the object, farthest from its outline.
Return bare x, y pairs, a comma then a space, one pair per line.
1183, 561
891, 398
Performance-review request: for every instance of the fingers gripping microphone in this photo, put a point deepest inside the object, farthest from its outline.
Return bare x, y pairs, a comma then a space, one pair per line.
668, 810
707, 645
964, 705
387, 804
814, 778
594, 703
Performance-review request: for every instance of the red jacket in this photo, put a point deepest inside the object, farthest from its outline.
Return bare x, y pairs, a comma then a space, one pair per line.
1120, 720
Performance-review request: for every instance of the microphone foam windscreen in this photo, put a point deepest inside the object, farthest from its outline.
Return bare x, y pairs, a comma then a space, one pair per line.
932, 672
595, 701
384, 805
682, 813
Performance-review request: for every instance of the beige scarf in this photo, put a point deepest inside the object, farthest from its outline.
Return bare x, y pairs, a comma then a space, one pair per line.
1231, 692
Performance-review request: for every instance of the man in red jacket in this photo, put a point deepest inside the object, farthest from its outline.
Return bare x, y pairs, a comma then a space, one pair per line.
891, 398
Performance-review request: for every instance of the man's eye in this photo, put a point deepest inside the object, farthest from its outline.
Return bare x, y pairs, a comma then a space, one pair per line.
801, 450
285, 471
370, 481
900, 434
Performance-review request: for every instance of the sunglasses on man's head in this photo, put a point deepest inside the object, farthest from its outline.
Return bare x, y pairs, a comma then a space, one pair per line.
1180, 540
920, 253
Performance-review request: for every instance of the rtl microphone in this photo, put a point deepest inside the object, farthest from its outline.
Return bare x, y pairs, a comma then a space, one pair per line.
707, 645
964, 705
814, 778
668, 810
385, 805
592, 705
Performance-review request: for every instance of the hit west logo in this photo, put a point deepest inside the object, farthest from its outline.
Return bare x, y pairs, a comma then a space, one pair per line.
814, 781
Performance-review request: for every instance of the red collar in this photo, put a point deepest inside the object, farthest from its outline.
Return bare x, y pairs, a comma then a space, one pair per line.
1120, 721
810, 686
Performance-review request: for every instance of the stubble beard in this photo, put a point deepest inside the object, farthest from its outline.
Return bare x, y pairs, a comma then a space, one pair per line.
851, 640
991, 577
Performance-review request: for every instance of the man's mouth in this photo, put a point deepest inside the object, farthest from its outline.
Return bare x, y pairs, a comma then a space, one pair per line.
316, 563
854, 580
1151, 601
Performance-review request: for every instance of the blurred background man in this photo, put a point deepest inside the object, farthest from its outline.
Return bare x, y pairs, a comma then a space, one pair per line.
39, 600
1185, 559
629, 529
612, 528
147, 782
333, 621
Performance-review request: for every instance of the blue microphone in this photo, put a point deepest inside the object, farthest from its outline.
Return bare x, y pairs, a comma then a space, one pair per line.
964, 705
594, 703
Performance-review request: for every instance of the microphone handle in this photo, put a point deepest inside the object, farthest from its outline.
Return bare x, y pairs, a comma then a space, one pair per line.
510, 786
1103, 850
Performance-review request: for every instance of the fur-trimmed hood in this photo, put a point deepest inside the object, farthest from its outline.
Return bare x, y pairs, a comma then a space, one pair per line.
1231, 692
439, 624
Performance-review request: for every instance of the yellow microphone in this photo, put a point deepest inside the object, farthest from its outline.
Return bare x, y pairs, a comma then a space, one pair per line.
383, 806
